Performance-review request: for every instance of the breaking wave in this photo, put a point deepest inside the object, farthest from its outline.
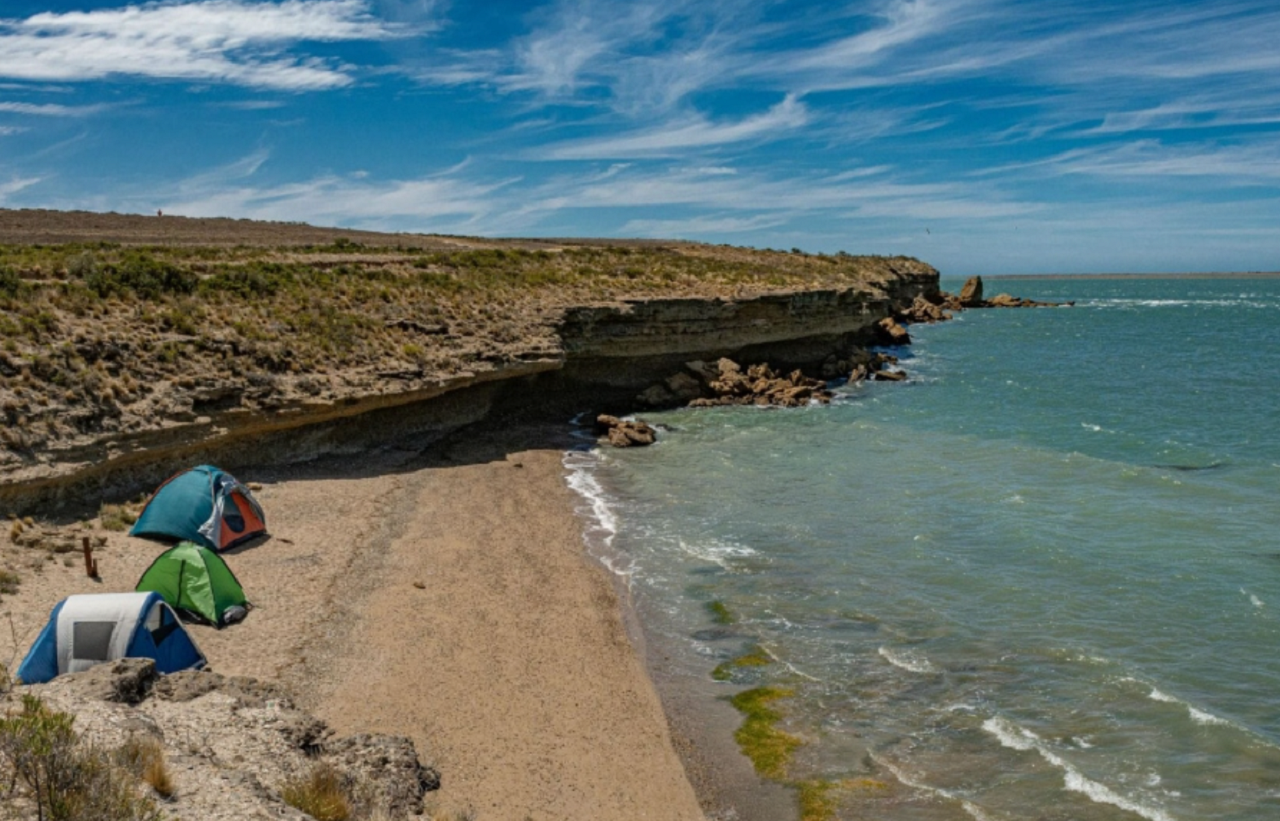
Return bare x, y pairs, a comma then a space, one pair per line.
1019, 738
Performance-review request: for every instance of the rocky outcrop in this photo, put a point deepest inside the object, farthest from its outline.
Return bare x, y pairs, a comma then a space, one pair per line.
625, 434
728, 384
230, 744
1007, 301
971, 293
891, 333
922, 310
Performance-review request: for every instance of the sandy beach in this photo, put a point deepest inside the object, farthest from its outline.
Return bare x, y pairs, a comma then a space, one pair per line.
443, 594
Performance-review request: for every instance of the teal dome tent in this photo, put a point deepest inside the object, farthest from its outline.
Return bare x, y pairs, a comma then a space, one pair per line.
204, 505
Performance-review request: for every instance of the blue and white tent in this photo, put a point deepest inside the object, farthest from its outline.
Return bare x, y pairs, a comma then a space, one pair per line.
89, 629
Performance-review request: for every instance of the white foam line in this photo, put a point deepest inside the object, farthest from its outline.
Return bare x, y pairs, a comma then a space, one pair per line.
715, 553
1020, 738
973, 809
601, 521
1197, 715
907, 661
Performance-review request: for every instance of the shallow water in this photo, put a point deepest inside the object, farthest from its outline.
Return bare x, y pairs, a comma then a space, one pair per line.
1040, 580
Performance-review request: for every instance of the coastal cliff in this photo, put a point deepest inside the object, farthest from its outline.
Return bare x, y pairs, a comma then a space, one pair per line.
123, 362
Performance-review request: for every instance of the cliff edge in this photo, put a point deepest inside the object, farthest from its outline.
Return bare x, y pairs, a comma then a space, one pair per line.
132, 344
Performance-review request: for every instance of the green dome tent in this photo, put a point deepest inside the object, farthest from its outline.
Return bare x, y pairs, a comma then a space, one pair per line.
195, 580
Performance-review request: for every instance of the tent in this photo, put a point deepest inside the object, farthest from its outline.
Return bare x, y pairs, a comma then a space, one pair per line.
89, 629
203, 505
195, 580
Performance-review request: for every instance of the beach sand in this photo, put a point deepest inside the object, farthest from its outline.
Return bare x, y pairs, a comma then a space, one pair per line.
441, 593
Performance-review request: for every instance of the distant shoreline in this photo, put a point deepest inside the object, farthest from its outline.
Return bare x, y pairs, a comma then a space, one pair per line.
1215, 275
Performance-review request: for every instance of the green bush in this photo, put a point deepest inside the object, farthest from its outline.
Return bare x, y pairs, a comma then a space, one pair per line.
140, 273
43, 760
11, 285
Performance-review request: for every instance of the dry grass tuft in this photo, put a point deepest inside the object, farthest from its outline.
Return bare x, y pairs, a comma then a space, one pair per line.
320, 794
144, 757
116, 517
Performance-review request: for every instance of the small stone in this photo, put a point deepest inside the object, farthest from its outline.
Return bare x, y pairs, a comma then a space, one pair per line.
420, 585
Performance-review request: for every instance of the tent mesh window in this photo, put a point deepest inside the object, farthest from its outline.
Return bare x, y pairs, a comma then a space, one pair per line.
91, 640
233, 519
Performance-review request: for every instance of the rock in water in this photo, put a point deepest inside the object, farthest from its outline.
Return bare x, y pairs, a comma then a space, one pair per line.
623, 434
971, 293
892, 332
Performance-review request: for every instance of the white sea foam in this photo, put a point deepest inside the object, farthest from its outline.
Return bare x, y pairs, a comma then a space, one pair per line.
1020, 738
1174, 303
602, 524
582, 480
1201, 717
971, 808
1254, 600
716, 552
907, 660
1197, 715
1094, 428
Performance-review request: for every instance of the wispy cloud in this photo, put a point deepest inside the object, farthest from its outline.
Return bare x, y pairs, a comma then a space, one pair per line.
697, 227
681, 135
51, 109
230, 41
1230, 164
13, 186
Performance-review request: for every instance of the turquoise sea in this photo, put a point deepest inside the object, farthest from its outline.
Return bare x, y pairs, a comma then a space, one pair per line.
1041, 580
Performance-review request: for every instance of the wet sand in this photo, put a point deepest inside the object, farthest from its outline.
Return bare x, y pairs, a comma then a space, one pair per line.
443, 594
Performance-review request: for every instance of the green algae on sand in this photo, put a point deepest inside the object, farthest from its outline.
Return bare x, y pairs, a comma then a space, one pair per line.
759, 737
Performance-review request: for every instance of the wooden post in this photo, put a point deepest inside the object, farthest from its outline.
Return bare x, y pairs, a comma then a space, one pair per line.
90, 563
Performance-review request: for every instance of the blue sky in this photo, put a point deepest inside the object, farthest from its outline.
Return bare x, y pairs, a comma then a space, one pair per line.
982, 136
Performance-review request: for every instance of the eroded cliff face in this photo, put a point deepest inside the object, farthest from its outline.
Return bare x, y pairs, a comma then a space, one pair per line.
602, 354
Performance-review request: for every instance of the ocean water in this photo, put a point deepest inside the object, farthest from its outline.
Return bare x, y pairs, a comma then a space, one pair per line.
1041, 580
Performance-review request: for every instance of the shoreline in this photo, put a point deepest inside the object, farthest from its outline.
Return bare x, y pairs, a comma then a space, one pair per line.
510, 667
700, 720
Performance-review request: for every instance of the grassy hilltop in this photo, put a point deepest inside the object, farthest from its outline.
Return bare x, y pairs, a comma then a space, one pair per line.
99, 334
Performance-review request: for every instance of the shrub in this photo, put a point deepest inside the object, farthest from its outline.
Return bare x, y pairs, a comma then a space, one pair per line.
11, 285
319, 793
143, 274
43, 760
116, 517
83, 265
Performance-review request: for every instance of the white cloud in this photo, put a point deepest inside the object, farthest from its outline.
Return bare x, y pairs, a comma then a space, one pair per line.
698, 227
50, 109
1239, 164
230, 41
695, 132
15, 185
